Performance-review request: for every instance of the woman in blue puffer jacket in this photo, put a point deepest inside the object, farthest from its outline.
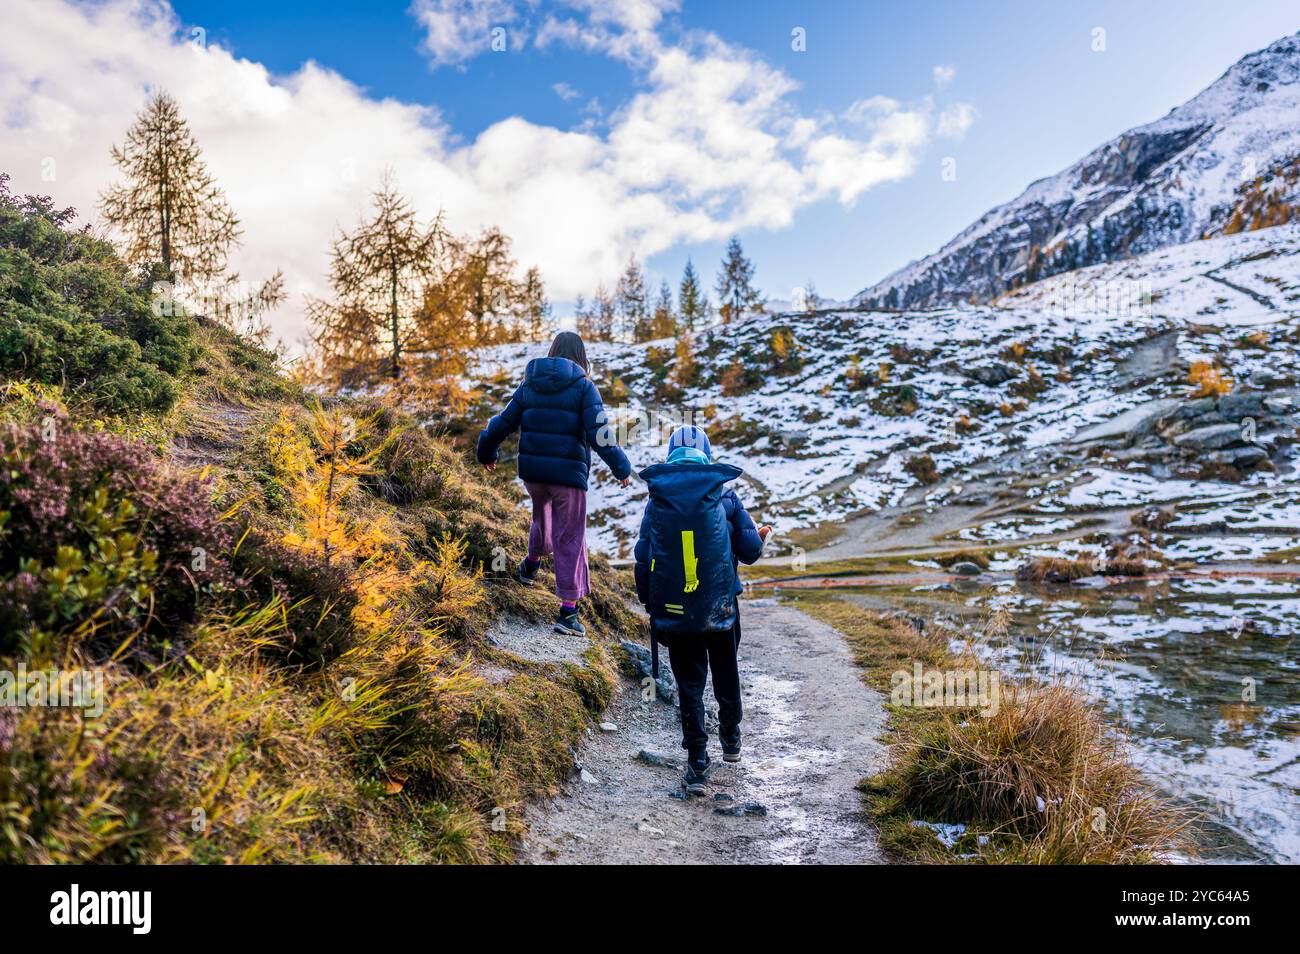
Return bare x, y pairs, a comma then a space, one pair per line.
560, 418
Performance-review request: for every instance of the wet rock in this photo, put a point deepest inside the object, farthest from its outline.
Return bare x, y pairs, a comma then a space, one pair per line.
723, 797
659, 760
966, 568
753, 809
1212, 437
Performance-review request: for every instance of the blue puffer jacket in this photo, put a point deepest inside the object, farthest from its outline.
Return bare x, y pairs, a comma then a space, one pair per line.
559, 416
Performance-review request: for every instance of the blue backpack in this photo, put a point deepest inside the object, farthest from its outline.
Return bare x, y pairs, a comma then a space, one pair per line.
692, 570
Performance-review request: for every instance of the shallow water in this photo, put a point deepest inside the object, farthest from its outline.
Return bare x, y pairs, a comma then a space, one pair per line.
1202, 675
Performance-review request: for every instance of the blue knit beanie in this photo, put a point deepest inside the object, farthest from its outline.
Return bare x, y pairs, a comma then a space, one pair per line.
686, 439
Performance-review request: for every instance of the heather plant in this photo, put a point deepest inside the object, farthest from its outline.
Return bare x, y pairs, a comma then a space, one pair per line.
100, 545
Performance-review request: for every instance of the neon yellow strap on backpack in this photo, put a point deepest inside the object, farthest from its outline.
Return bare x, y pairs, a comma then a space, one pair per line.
689, 561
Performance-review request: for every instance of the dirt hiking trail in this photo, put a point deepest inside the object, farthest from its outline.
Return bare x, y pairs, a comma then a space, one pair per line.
810, 733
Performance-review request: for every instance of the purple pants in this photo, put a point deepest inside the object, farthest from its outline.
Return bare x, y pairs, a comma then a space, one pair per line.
560, 527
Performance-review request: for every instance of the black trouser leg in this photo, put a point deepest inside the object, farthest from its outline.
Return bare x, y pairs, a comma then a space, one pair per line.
726, 681
688, 656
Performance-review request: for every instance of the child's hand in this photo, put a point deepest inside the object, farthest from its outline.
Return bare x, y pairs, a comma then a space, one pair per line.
625, 481
491, 466
764, 532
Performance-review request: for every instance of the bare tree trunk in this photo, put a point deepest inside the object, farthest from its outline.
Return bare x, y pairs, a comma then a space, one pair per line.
164, 211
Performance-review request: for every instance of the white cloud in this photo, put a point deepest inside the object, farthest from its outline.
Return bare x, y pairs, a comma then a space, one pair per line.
566, 92
955, 120
459, 30
943, 75
710, 144
638, 16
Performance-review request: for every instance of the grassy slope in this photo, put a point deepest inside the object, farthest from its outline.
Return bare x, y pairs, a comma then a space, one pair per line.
402, 735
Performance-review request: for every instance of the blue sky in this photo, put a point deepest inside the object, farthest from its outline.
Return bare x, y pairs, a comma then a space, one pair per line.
612, 126
1042, 96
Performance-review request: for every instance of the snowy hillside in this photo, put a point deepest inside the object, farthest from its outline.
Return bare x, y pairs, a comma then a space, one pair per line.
1225, 161
845, 423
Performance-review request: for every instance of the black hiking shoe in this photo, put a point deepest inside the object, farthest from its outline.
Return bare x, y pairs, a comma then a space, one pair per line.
524, 576
697, 776
731, 749
568, 624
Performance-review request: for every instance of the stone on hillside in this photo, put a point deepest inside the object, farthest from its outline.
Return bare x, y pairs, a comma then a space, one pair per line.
1239, 457
991, 375
1241, 404
1211, 437
1196, 408
965, 568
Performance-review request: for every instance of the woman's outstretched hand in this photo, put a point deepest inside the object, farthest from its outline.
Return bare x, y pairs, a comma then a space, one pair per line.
625, 481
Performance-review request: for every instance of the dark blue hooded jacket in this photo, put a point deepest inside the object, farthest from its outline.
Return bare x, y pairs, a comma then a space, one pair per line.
559, 416
746, 544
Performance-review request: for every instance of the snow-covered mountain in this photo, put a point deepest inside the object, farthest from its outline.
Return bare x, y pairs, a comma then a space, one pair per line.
1228, 160
832, 415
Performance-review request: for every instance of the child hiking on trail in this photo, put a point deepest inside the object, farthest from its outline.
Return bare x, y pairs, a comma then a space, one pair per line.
694, 532
559, 415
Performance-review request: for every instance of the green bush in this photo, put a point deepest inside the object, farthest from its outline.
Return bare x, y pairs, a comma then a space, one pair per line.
72, 314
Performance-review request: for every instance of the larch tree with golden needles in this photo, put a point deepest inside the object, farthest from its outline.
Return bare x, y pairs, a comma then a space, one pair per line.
663, 321
487, 270
379, 273
685, 368
175, 216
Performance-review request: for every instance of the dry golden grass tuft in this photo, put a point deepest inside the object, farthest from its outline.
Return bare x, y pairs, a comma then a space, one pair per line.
1055, 569
1043, 780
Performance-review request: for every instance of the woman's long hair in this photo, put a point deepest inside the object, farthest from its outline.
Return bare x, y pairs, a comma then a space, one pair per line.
568, 344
